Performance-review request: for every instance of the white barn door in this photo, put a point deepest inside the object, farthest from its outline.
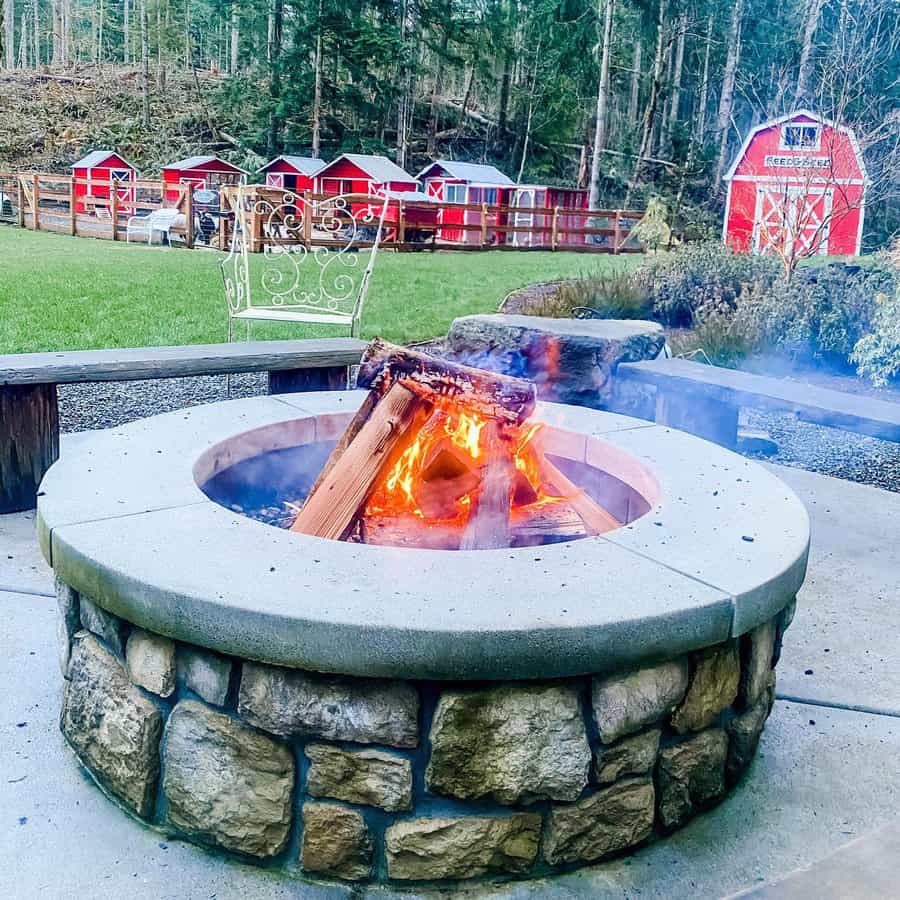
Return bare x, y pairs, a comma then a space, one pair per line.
792, 220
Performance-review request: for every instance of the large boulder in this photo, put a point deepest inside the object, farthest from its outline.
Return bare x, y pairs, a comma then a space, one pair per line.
227, 784
465, 847
512, 744
570, 360
111, 724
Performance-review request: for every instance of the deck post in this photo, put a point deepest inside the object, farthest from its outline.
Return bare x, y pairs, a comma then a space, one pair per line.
189, 217
308, 213
401, 225
29, 442
114, 209
73, 215
35, 202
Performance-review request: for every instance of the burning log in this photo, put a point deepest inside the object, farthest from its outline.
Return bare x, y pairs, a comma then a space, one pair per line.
492, 394
330, 511
488, 526
437, 457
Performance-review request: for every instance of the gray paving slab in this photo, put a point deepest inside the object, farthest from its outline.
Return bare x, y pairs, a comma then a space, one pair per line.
22, 566
864, 868
845, 633
813, 788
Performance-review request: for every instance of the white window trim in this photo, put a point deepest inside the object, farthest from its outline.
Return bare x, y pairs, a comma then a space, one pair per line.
782, 145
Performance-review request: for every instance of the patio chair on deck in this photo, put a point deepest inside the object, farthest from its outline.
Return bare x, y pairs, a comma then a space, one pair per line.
314, 266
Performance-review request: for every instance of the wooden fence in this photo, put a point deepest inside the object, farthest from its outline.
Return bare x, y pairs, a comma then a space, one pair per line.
64, 204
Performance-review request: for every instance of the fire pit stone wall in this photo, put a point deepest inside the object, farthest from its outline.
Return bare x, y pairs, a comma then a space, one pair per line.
373, 780
535, 708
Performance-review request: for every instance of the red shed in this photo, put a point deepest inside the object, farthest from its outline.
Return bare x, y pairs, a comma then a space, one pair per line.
797, 188
201, 172
96, 171
464, 182
293, 173
543, 196
357, 173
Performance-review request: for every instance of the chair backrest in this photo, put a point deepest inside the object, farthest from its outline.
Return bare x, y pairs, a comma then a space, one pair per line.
312, 252
164, 216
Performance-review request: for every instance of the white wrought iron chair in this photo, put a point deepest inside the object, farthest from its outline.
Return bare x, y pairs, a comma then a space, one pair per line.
329, 236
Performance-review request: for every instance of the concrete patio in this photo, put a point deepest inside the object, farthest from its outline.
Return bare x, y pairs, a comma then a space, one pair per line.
828, 770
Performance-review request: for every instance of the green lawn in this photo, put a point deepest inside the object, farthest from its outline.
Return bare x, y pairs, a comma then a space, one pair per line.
59, 292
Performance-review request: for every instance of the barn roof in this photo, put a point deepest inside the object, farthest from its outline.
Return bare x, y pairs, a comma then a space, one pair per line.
378, 168
789, 117
95, 157
306, 165
194, 162
474, 172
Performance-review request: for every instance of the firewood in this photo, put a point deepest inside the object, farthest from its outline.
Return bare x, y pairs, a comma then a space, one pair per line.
332, 509
356, 423
544, 523
409, 531
556, 484
488, 525
495, 395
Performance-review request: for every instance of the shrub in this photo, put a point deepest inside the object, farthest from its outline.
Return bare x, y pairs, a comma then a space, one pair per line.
613, 295
696, 275
877, 355
820, 314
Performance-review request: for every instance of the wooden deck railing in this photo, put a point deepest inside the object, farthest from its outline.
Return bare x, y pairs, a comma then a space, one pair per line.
45, 201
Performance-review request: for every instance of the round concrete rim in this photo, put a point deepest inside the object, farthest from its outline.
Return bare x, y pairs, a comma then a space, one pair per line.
123, 521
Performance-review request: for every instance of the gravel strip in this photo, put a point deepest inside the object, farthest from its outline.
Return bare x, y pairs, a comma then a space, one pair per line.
83, 407
829, 451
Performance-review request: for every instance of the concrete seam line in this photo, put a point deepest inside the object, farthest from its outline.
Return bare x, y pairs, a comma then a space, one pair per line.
850, 707
31, 592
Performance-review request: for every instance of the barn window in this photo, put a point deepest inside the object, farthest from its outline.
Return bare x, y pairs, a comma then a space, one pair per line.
800, 137
456, 193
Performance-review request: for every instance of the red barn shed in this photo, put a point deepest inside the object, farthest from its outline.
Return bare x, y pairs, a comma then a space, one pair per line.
357, 173
94, 174
201, 172
797, 188
463, 182
530, 197
293, 173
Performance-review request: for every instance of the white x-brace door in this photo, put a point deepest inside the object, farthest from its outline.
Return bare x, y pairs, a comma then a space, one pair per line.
792, 220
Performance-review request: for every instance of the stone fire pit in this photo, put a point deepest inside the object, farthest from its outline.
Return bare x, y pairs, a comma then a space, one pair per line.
371, 713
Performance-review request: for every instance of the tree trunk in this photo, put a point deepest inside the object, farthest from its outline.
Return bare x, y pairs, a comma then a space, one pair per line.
634, 99
23, 41
9, 34
726, 98
188, 53
235, 38
145, 64
704, 86
674, 102
317, 90
37, 33
659, 62
274, 147
814, 10
602, 105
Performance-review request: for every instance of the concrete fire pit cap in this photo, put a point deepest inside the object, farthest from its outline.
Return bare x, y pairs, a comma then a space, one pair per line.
125, 522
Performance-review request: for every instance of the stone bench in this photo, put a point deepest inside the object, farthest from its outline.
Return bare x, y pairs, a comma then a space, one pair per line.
29, 422
704, 400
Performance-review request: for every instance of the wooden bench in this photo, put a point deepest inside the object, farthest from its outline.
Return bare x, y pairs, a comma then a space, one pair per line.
705, 400
29, 421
